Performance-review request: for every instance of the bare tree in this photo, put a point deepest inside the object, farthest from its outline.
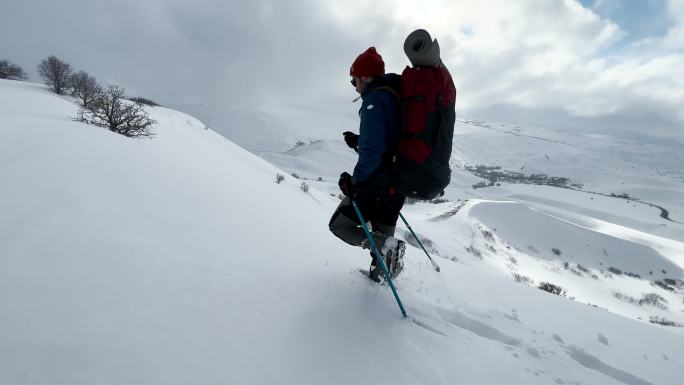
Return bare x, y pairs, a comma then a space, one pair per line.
11, 71
55, 73
84, 87
111, 110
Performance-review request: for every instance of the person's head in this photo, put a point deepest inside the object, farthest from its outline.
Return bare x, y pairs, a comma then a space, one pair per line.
365, 68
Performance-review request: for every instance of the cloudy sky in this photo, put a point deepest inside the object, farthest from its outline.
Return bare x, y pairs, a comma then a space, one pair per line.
564, 62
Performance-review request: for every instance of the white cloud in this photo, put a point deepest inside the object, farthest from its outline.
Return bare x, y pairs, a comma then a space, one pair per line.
675, 34
534, 54
551, 55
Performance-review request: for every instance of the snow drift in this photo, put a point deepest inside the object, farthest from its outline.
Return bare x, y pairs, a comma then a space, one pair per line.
179, 260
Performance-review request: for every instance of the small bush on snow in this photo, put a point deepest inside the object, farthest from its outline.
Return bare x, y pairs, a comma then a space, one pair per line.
487, 235
625, 297
552, 288
144, 101
664, 322
304, 187
663, 285
523, 279
472, 250
653, 299
11, 71
279, 178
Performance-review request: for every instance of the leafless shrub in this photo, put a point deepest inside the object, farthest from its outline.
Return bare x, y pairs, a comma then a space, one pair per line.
84, 87
279, 178
109, 109
523, 279
625, 297
487, 235
472, 250
653, 299
304, 187
480, 185
552, 288
144, 101
664, 322
11, 71
663, 285
55, 73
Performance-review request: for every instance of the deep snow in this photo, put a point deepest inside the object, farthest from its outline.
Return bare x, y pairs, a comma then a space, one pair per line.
180, 260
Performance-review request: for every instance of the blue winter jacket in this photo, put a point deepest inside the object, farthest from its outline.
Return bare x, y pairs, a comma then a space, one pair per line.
378, 134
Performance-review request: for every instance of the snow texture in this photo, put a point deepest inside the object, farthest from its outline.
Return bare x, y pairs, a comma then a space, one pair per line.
179, 260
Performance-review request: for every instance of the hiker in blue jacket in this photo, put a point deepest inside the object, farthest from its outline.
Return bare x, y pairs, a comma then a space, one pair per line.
370, 184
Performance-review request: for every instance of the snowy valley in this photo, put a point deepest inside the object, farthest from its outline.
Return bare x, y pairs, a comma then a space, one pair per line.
179, 259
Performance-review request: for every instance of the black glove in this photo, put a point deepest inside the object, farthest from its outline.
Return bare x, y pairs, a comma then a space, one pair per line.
346, 185
351, 139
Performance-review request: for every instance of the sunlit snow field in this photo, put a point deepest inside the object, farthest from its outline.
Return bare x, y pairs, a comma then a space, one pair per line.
179, 259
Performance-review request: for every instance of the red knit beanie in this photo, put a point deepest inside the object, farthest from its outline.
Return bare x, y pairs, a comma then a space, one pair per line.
368, 64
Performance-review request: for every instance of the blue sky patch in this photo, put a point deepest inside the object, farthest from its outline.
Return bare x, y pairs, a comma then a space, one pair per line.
639, 18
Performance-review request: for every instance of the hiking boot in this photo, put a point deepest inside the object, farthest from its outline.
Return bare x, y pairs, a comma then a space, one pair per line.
392, 250
375, 271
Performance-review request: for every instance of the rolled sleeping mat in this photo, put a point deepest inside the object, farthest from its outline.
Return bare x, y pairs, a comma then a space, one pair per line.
422, 50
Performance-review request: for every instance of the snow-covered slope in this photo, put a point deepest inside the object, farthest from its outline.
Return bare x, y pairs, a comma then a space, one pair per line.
589, 234
271, 127
179, 260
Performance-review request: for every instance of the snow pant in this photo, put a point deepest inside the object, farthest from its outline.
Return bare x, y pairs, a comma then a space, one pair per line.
382, 211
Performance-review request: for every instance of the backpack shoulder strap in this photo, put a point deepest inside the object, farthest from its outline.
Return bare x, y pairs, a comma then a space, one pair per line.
390, 90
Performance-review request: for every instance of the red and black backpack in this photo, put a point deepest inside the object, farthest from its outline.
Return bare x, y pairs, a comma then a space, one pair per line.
421, 165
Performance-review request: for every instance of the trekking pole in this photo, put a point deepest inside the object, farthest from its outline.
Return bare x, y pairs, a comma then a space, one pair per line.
378, 259
434, 264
